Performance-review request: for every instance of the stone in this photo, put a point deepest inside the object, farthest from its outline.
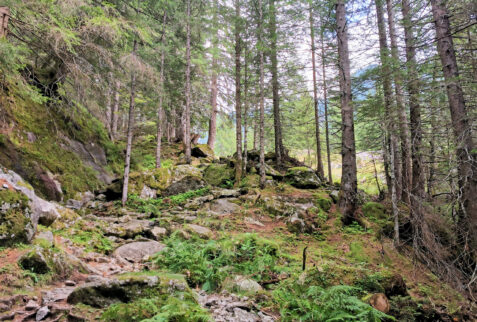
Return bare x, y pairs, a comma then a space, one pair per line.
270, 171
31, 305
74, 204
105, 292
380, 302
114, 190
70, 283
276, 206
203, 232
158, 233
303, 178
335, 195
186, 184
250, 220
226, 193
148, 193
246, 285
56, 294
31, 137
39, 210
202, 151
46, 235
129, 229
42, 313
394, 285
218, 174
295, 224
35, 261
223, 207
136, 251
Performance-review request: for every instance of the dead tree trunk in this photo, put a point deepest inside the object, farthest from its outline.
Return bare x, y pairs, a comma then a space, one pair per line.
160, 111
127, 163
325, 99
401, 109
319, 161
279, 150
4, 17
349, 184
262, 108
186, 138
466, 154
238, 93
213, 86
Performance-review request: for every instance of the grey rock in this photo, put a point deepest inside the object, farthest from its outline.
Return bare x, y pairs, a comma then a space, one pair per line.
74, 204
203, 232
70, 283
148, 193
31, 137
225, 193
31, 305
185, 184
42, 313
136, 251
129, 228
223, 207
335, 194
296, 224
46, 235
158, 233
244, 284
252, 221
303, 177
35, 261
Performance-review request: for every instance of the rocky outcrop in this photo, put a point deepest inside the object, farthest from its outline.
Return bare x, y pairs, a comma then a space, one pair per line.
218, 174
137, 251
21, 209
202, 151
303, 178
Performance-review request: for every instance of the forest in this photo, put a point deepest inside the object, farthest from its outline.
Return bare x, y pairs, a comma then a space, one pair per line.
238, 160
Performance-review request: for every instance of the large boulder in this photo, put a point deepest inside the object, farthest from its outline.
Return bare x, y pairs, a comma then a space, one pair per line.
270, 171
136, 251
303, 178
189, 183
21, 209
202, 151
218, 174
223, 207
126, 288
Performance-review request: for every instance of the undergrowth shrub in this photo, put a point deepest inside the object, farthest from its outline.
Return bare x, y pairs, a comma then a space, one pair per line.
304, 299
208, 263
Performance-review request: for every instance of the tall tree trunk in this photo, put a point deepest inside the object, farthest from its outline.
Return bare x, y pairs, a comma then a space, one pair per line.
127, 163
406, 180
325, 99
319, 161
160, 111
213, 85
417, 188
115, 111
388, 98
279, 149
4, 16
466, 154
238, 93
245, 112
349, 183
262, 108
186, 138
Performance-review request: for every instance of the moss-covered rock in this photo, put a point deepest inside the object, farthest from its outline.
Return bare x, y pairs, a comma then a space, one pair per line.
202, 151
14, 217
374, 210
302, 177
324, 203
41, 260
127, 288
218, 174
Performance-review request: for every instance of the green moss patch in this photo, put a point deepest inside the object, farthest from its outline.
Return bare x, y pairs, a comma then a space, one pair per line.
14, 217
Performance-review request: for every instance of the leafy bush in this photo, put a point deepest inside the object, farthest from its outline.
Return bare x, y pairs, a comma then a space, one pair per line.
208, 263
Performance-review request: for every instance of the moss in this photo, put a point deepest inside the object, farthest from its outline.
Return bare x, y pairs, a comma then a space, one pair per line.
374, 210
324, 203
218, 174
14, 218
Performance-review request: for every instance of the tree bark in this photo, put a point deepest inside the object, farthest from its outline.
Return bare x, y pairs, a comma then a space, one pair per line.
319, 161
115, 111
4, 17
406, 180
325, 99
213, 86
127, 163
238, 93
417, 188
262, 108
349, 184
466, 154
245, 112
160, 111
279, 149
388, 98
186, 138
